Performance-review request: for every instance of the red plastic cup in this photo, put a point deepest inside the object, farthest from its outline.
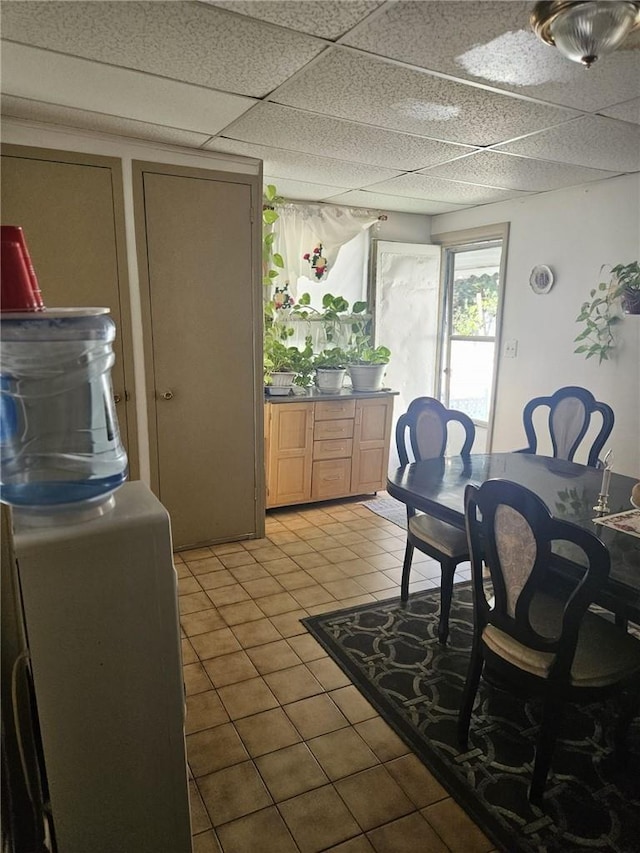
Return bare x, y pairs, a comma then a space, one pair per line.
19, 289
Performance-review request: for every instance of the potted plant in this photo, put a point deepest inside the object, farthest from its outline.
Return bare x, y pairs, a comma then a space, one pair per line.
600, 315
285, 365
330, 366
366, 362
628, 278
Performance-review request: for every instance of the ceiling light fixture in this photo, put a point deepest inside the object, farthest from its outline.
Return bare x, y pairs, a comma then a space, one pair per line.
583, 31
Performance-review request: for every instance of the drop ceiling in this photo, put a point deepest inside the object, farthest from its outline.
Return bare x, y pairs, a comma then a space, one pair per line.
424, 107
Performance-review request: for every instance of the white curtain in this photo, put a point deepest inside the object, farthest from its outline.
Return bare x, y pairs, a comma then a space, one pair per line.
302, 227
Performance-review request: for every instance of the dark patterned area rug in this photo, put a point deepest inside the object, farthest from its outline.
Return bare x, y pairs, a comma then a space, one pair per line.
391, 654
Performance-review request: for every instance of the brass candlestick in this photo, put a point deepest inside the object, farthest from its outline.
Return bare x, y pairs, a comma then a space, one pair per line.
602, 506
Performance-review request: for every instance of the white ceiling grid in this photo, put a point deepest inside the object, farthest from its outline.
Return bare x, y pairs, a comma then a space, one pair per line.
423, 106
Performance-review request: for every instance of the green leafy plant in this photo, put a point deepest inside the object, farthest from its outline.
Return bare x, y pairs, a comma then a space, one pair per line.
334, 310
333, 358
361, 349
272, 262
600, 314
279, 358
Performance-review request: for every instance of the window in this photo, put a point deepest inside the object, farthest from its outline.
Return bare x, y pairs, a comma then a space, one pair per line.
473, 275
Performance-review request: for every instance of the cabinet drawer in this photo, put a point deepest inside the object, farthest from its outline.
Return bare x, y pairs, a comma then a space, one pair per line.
333, 409
331, 479
337, 448
332, 429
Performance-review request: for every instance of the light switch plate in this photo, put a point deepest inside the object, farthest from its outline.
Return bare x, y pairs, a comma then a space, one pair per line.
511, 349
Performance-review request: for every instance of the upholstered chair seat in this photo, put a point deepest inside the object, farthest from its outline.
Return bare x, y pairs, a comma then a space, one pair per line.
444, 537
423, 433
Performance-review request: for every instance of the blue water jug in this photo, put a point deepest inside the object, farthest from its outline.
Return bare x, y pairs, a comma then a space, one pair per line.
59, 437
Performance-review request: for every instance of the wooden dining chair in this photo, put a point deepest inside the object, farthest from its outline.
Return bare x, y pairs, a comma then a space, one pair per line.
531, 637
425, 425
570, 412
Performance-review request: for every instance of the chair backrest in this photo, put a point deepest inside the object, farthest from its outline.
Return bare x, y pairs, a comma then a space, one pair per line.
426, 423
570, 412
511, 531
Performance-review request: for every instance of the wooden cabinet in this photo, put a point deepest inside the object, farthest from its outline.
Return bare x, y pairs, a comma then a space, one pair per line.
324, 449
289, 453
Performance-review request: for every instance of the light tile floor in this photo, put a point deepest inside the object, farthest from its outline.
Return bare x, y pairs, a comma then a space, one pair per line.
285, 755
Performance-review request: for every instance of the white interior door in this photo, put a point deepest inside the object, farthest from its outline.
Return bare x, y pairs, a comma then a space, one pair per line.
407, 283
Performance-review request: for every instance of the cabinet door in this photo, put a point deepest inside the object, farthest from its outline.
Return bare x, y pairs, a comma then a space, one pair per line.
290, 453
70, 207
199, 248
371, 444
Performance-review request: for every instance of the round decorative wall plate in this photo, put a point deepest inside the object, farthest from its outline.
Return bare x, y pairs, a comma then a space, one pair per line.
541, 279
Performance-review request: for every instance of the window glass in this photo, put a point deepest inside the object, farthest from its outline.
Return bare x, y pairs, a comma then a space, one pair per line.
472, 296
471, 378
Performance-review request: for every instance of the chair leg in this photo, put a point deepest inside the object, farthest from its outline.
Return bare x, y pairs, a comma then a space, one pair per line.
446, 590
621, 622
629, 706
406, 570
469, 693
549, 727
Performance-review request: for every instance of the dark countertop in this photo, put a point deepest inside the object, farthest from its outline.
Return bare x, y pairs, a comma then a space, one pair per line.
306, 395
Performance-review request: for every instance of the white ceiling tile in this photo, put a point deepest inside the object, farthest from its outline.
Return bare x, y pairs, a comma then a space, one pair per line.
305, 167
349, 85
627, 111
324, 18
301, 190
492, 43
495, 169
285, 127
192, 42
437, 189
40, 75
361, 198
86, 120
593, 141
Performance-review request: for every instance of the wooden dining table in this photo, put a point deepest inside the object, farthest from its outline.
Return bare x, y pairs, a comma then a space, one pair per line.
570, 490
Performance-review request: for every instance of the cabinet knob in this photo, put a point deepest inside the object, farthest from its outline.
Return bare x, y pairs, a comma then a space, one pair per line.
117, 398
167, 395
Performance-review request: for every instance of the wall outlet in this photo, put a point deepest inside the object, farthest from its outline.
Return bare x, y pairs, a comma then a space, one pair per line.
510, 349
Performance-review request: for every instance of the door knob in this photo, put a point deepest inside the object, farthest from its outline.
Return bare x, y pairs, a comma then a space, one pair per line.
167, 395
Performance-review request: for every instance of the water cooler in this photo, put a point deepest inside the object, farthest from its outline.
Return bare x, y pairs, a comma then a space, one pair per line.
99, 607
93, 748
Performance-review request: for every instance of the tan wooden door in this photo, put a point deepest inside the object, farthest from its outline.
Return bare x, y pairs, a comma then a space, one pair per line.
199, 252
70, 208
371, 438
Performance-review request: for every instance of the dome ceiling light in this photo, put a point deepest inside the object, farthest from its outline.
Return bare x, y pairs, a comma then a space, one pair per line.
583, 31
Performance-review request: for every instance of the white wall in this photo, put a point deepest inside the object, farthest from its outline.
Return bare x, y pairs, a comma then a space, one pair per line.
404, 228
574, 231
